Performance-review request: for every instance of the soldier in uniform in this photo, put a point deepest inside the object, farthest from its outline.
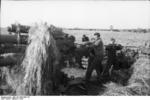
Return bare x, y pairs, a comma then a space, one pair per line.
85, 38
111, 50
96, 57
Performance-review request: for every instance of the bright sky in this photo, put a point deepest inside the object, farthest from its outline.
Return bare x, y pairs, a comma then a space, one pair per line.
81, 14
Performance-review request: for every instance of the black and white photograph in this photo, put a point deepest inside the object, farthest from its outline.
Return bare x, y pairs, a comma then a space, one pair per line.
74, 48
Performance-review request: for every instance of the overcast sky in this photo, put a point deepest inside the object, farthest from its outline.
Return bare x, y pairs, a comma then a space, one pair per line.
82, 14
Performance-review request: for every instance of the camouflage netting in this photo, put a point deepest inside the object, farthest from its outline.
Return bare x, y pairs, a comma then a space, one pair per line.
114, 89
35, 75
139, 83
57, 32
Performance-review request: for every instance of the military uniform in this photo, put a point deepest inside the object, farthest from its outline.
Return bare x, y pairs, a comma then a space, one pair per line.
85, 39
112, 57
95, 61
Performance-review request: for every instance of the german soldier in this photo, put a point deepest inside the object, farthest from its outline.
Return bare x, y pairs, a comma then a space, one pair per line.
95, 60
111, 50
85, 38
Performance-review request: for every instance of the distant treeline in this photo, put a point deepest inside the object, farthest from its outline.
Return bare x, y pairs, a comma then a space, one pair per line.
25, 29
139, 30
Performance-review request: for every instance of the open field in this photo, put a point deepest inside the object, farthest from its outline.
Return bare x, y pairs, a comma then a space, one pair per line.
124, 38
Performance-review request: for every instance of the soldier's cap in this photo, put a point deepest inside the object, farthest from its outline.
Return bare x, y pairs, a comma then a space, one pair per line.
98, 34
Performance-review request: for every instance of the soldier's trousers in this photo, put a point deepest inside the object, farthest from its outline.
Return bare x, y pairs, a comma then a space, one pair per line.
94, 63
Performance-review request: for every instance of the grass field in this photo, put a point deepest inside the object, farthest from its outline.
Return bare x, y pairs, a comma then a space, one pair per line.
124, 38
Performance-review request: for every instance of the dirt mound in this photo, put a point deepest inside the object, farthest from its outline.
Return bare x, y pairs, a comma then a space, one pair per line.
139, 83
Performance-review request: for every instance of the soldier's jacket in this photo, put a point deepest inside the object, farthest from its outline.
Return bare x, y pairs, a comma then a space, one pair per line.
85, 39
99, 47
112, 49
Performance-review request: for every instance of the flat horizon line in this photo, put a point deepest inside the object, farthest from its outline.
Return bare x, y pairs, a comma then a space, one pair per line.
80, 28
